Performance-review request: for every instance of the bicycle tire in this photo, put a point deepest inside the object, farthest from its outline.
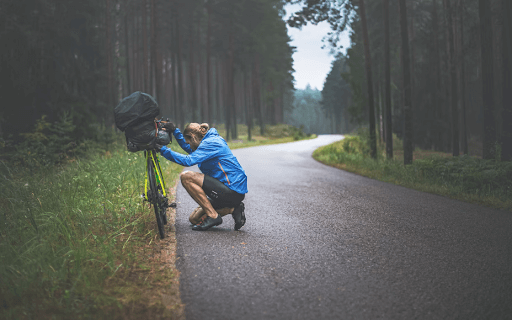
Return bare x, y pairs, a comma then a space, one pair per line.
153, 190
162, 200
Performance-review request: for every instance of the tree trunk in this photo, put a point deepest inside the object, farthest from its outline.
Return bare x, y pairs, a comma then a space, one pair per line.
145, 70
127, 52
108, 52
156, 59
181, 93
209, 101
200, 65
487, 79
387, 88
408, 149
438, 128
218, 90
256, 83
453, 78
368, 67
136, 55
174, 80
506, 152
462, 78
497, 66
192, 70
231, 83
248, 108
227, 96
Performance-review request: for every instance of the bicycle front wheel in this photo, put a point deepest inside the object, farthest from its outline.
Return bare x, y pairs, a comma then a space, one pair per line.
154, 198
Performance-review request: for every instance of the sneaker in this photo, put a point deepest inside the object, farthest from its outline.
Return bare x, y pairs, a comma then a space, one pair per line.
201, 220
239, 216
208, 223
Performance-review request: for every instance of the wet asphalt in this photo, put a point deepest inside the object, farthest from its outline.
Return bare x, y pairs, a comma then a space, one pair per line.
322, 243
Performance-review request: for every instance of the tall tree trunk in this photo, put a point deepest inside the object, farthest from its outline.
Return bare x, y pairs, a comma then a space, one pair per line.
368, 67
281, 105
174, 63
136, 54
192, 70
200, 65
218, 90
156, 59
209, 102
506, 152
411, 46
484, 11
453, 78
387, 88
380, 114
408, 149
462, 78
181, 93
127, 51
145, 70
438, 128
231, 83
227, 95
257, 92
497, 65
108, 52
271, 113
248, 104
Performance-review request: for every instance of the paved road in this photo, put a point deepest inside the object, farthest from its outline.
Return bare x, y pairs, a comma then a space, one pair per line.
321, 243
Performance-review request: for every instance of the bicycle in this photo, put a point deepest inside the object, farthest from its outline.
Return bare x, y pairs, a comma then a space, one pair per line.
155, 189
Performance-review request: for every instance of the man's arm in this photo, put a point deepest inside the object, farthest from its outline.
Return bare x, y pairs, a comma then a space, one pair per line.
181, 141
203, 153
171, 128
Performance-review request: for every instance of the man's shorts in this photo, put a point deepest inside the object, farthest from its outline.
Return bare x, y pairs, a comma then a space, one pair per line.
219, 195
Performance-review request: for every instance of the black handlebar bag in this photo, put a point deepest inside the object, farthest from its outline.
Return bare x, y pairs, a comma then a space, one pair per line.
135, 109
135, 116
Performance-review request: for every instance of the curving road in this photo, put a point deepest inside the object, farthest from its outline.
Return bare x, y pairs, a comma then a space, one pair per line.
322, 243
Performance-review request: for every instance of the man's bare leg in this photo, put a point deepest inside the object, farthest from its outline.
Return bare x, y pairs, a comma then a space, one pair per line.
199, 214
193, 183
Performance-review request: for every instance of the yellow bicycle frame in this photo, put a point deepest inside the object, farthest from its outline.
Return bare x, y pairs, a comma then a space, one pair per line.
150, 154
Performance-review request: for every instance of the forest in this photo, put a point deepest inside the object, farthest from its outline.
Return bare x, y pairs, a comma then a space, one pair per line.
436, 73
71, 62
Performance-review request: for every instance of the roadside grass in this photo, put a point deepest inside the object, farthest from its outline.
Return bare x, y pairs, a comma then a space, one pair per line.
470, 179
68, 231
76, 241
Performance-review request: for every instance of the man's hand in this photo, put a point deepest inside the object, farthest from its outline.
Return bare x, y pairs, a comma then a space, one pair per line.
169, 127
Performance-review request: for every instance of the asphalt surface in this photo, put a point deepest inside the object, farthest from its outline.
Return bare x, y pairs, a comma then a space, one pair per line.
322, 243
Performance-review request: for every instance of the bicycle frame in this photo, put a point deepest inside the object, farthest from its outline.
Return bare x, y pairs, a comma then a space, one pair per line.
151, 156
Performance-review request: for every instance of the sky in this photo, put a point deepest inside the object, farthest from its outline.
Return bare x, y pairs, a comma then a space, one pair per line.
310, 62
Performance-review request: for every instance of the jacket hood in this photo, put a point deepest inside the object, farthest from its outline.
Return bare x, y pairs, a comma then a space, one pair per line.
211, 133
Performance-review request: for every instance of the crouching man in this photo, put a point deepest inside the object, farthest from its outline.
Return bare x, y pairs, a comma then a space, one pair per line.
222, 185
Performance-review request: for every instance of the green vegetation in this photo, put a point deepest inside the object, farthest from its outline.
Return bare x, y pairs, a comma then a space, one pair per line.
487, 182
51, 143
76, 239
66, 230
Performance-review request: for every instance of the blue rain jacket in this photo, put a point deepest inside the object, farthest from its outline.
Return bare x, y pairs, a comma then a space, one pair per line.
213, 157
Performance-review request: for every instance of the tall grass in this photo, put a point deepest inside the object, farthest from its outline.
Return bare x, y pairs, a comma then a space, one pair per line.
65, 229
487, 182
